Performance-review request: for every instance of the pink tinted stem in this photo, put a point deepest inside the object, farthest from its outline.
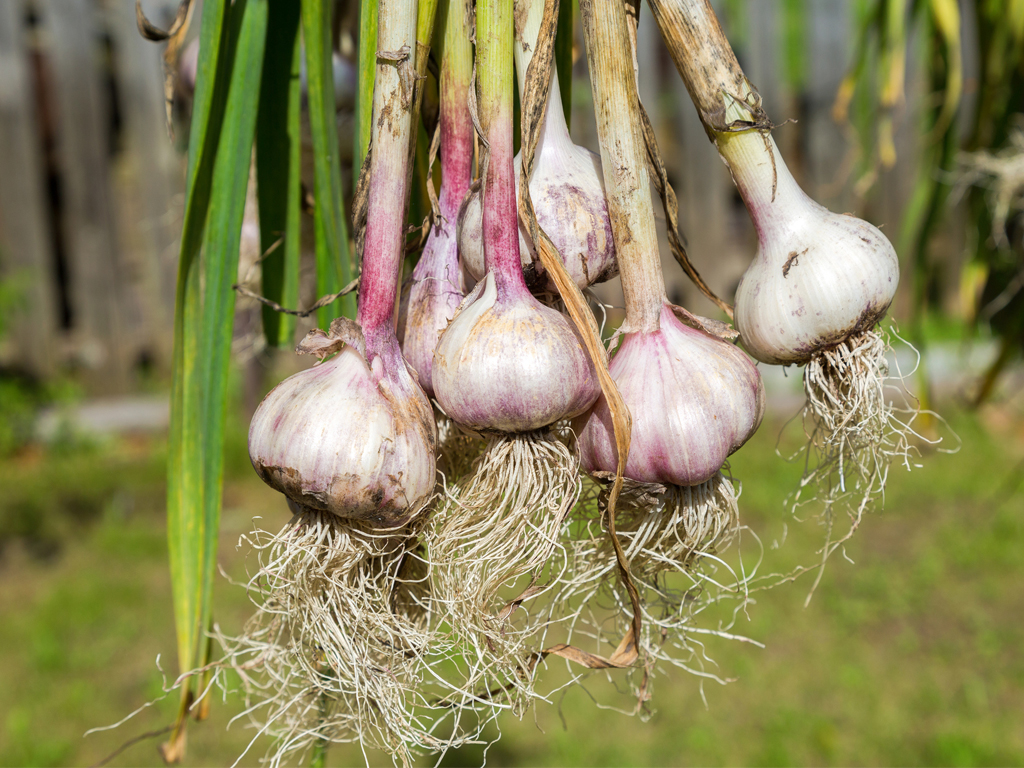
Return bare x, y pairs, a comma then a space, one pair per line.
500, 212
384, 245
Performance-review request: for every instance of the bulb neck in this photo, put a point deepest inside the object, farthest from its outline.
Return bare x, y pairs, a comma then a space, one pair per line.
501, 213
768, 189
554, 134
382, 344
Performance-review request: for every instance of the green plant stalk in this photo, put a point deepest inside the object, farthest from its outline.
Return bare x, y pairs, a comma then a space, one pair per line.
925, 211
366, 69
794, 42
425, 15
231, 43
278, 157
494, 62
624, 162
333, 254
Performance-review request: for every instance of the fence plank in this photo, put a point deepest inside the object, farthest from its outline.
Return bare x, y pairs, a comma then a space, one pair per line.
829, 42
26, 252
762, 59
96, 280
153, 178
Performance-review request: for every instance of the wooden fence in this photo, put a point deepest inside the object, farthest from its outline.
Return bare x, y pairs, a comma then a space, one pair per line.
91, 188
89, 192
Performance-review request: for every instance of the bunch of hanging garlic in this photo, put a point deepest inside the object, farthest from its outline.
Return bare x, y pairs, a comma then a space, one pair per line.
399, 594
693, 397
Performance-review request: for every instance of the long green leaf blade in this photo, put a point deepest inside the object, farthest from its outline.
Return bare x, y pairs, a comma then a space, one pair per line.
232, 41
220, 261
184, 464
278, 155
333, 261
366, 69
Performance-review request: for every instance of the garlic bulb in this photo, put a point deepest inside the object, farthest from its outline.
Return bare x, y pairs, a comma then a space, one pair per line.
511, 365
507, 363
429, 300
356, 436
694, 399
567, 187
818, 276
347, 437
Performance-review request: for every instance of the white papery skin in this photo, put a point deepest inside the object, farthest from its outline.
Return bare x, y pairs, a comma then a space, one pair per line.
349, 439
429, 301
567, 188
512, 365
818, 276
694, 399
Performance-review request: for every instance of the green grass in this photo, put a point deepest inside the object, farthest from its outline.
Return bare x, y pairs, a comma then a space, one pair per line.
909, 656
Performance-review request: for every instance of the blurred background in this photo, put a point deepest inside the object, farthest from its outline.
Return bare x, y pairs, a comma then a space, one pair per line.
906, 113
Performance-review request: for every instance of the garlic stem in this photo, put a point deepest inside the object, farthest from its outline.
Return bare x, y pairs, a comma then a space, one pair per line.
706, 61
392, 124
500, 212
624, 161
425, 15
456, 124
723, 96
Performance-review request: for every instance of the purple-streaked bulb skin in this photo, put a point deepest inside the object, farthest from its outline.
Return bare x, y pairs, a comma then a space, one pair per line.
694, 399
348, 438
512, 365
567, 189
429, 301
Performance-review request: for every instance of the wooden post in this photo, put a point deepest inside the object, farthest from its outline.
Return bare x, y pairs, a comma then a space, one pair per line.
829, 45
96, 279
150, 213
26, 253
705, 211
763, 56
